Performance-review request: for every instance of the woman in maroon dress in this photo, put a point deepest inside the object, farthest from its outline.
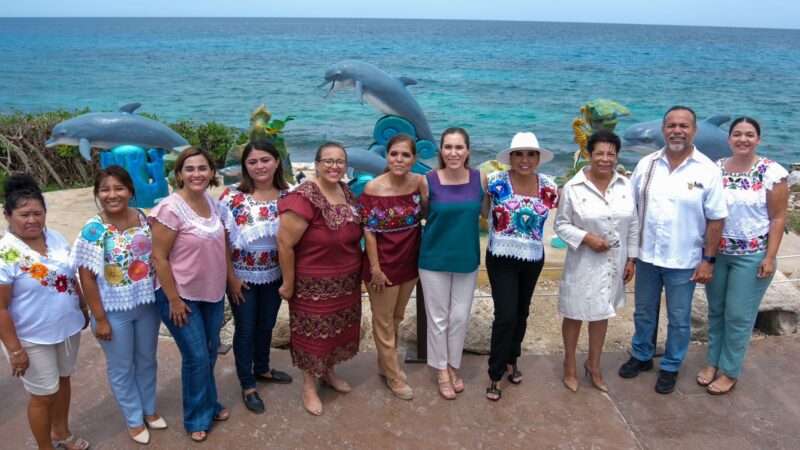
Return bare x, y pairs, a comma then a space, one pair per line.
320, 256
391, 214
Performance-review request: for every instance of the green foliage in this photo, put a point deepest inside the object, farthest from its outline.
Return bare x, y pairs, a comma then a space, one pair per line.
793, 220
213, 136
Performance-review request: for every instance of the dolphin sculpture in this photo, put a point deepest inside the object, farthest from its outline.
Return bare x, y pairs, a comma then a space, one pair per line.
711, 140
386, 93
112, 129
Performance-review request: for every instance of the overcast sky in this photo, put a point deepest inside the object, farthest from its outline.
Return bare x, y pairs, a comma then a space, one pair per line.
731, 13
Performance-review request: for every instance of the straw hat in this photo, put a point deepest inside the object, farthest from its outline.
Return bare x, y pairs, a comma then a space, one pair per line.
525, 141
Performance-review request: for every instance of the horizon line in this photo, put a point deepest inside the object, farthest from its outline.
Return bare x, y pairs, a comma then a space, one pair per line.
403, 18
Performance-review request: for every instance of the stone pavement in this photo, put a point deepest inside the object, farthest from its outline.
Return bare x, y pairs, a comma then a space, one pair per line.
762, 412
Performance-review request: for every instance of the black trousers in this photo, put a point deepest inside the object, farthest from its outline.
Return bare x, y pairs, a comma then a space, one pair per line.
513, 281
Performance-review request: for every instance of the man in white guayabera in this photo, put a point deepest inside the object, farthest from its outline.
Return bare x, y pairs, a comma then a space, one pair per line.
681, 208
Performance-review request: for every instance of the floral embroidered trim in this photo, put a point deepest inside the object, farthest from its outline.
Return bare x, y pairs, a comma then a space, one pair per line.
733, 246
246, 219
335, 216
396, 218
258, 267
319, 365
319, 288
325, 326
61, 283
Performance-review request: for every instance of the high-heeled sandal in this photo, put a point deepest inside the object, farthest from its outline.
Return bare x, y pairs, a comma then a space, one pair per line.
492, 391
600, 387
515, 377
343, 388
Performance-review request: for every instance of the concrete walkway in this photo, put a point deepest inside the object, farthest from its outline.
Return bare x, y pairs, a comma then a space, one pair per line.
762, 412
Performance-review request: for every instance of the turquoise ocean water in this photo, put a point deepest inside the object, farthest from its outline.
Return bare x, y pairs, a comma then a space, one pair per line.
493, 78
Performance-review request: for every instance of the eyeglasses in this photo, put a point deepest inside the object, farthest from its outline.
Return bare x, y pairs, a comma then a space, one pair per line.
614, 243
330, 162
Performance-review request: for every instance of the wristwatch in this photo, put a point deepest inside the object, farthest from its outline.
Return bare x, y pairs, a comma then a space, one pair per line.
709, 259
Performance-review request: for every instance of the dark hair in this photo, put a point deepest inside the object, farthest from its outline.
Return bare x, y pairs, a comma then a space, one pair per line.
322, 147
745, 119
397, 139
247, 184
187, 153
603, 136
680, 108
114, 171
453, 130
18, 189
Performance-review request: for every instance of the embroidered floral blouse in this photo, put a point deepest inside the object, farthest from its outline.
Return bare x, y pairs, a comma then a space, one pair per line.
44, 306
746, 228
121, 261
200, 243
252, 229
516, 222
395, 220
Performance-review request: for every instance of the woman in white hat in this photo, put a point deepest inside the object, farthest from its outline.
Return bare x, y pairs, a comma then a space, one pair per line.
520, 201
597, 219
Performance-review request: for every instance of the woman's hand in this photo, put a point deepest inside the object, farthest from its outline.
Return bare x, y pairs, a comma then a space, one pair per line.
596, 243
766, 268
630, 269
102, 329
19, 364
286, 291
379, 281
235, 287
178, 310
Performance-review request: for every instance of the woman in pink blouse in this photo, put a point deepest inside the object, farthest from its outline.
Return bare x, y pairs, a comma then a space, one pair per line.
391, 214
188, 234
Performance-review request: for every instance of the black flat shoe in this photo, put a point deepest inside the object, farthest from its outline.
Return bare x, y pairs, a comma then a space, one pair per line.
666, 382
253, 402
276, 377
493, 390
515, 377
634, 366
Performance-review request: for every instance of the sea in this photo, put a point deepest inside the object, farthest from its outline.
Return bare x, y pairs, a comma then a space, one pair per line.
493, 78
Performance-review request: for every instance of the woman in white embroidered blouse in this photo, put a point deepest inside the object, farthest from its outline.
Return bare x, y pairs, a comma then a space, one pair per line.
40, 312
249, 212
519, 202
756, 192
113, 257
597, 219
188, 234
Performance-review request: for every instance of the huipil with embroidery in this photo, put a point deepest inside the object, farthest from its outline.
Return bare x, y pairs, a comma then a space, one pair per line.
325, 310
516, 221
746, 229
395, 220
252, 233
44, 306
121, 261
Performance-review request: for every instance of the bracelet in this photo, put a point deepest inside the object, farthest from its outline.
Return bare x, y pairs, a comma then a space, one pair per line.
633, 260
16, 353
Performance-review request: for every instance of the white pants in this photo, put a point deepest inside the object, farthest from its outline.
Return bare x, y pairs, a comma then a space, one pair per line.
448, 300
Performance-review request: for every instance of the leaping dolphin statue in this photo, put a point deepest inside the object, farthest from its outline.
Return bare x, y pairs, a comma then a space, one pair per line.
386, 93
112, 129
646, 137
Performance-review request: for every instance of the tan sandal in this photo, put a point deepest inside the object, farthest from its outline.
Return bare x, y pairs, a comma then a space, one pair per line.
446, 389
312, 409
71, 443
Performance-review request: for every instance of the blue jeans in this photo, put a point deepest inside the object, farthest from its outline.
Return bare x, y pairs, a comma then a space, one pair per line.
197, 341
650, 279
131, 360
734, 296
254, 319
